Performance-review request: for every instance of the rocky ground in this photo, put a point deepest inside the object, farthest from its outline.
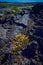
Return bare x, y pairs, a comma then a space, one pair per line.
29, 24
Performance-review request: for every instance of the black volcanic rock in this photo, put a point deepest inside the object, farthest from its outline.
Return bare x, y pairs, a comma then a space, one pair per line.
32, 63
4, 58
29, 52
35, 12
10, 22
40, 42
39, 32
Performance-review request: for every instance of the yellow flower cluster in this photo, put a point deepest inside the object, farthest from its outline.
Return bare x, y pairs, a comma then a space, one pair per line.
20, 41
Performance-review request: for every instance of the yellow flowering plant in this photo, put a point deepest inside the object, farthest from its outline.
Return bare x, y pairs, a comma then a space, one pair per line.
20, 41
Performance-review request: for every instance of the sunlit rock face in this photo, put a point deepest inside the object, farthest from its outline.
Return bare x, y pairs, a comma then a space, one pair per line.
2, 32
9, 28
12, 32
